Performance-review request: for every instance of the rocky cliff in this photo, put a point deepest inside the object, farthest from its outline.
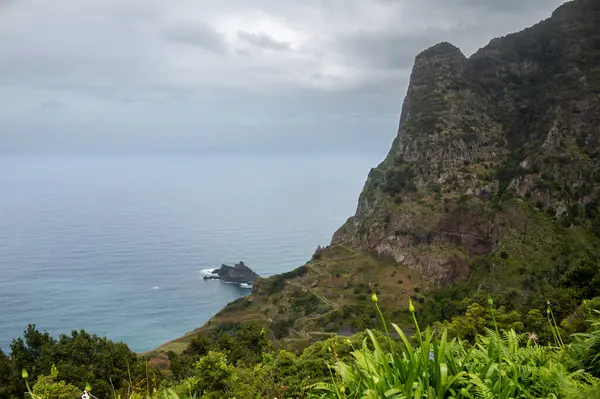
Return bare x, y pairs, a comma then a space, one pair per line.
484, 145
491, 187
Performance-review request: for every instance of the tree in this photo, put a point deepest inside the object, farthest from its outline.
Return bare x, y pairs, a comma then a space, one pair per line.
80, 358
198, 347
213, 374
249, 345
467, 326
33, 352
5, 375
584, 277
84, 358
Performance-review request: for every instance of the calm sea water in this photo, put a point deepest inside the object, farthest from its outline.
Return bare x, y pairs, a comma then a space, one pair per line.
116, 245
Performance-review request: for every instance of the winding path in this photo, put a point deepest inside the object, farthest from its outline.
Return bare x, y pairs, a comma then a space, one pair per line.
313, 266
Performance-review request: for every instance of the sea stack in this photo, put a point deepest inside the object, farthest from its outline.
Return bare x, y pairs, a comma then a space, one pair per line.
238, 274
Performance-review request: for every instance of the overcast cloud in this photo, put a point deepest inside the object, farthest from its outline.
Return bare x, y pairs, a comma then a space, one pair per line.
216, 75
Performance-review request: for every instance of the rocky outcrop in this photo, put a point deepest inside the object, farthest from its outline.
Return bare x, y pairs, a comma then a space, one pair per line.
238, 274
518, 120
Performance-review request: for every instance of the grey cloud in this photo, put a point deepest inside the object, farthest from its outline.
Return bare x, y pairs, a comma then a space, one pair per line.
386, 50
138, 75
468, 24
53, 105
504, 5
262, 40
200, 35
498, 5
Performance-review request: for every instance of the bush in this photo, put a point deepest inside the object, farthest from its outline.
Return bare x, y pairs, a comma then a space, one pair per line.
46, 386
80, 359
305, 302
281, 327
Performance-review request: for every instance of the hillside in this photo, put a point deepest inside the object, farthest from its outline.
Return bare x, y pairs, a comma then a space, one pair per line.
329, 295
517, 121
492, 185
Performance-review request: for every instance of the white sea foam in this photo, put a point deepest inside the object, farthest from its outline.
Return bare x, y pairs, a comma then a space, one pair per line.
156, 287
244, 285
207, 272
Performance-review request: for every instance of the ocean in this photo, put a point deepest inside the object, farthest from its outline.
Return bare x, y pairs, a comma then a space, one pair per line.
116, 245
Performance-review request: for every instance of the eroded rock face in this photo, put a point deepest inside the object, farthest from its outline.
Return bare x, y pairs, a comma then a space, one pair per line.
520, 119
239, 274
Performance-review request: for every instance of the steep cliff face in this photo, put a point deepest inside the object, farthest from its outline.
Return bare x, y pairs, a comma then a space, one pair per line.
486, 142
494, 177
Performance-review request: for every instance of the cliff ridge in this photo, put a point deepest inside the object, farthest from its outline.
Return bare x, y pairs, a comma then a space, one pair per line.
517, 121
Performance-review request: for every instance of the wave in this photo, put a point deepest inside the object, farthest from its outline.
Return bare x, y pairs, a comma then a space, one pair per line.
156, 287
207, 272
241, 285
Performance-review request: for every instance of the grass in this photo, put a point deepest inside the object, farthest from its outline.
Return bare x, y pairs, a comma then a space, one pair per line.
338, 283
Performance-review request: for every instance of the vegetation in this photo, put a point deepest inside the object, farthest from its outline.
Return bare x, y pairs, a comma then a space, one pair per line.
499, 364
56, 366
488, 362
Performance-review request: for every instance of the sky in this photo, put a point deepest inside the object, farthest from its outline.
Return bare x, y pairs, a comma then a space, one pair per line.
230, 76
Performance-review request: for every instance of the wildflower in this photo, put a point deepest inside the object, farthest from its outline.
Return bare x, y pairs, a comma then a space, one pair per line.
431, 355
411, 307
533, 337
24, 374
374, 298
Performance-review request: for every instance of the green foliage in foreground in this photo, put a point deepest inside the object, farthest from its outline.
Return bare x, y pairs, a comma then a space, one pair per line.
59, 367
434, 363
501, 364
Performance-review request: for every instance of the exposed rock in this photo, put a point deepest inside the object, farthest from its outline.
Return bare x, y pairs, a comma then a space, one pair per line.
318, 253
519, 119
161, 362
238, 274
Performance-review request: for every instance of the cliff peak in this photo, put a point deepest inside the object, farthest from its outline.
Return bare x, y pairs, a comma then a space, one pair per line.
478, 147
576, 8
443, 49
439, 66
